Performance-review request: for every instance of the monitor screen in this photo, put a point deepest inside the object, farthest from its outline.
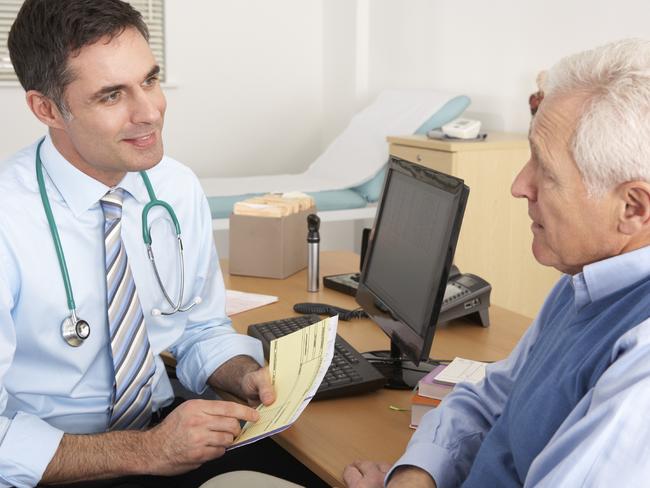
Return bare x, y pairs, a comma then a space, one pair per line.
410, 253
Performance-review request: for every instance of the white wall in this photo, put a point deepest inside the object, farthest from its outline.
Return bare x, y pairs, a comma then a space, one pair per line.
491, 51
261, 87
18, 127
340, 61
246, 87
249, 76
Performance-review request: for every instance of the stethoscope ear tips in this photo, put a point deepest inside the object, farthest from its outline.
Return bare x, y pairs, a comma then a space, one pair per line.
198, 300
156, 312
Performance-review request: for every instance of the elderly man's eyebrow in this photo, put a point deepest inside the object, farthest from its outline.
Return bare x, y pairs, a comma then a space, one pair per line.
537, 155
534, 148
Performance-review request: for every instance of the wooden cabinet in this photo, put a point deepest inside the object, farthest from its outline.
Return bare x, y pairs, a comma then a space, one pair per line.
495, 238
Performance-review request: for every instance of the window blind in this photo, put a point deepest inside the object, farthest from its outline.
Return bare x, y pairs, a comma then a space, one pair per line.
8, 11
152, 11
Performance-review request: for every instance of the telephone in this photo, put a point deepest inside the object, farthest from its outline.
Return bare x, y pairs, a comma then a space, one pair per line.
462, 128
466, 294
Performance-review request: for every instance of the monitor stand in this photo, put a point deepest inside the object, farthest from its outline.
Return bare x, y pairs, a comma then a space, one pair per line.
400, 373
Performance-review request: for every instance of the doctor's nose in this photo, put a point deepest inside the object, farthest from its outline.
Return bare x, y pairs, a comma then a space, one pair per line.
148, 107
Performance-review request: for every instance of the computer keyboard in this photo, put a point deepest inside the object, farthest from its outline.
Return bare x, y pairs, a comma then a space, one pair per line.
349, 374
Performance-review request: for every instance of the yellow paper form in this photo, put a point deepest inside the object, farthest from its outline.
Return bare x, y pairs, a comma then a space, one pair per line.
297, 364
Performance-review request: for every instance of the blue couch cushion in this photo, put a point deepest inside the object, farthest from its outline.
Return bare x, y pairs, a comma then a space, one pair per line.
371, 190
338, 199
448, 112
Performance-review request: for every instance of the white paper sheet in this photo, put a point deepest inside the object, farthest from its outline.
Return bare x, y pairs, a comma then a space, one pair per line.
462, 370
240, 301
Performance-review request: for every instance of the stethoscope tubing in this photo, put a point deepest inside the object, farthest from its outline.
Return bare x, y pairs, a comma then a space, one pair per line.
70, 326
53, 230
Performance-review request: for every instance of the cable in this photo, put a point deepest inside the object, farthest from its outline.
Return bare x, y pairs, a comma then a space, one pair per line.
331, 310
371, 357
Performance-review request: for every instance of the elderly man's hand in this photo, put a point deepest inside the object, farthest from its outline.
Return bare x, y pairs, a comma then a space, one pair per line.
411, 477
365, 474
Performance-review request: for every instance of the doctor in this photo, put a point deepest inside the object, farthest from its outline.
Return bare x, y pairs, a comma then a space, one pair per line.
76, 403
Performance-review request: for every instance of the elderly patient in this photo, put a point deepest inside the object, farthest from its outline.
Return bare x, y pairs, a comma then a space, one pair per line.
569, 406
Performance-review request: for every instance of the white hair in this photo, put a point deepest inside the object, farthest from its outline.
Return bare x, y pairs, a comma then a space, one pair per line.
611, 143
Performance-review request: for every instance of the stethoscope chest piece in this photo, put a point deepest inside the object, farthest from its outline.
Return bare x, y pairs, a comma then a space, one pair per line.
74, 330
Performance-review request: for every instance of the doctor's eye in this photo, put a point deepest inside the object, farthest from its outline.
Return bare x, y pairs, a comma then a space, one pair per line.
111, 97
152, 80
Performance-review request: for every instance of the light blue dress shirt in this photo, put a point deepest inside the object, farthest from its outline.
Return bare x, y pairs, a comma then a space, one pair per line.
47, 387
605, 440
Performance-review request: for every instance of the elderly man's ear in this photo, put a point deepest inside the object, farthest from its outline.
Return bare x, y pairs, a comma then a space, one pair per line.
635, 208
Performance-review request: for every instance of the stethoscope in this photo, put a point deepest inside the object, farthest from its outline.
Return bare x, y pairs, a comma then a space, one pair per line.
76, 330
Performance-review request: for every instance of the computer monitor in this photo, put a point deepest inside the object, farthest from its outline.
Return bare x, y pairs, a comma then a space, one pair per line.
407, 263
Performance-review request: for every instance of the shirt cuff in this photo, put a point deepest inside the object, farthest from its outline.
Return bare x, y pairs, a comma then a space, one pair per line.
433, 459
26, 450
205, 358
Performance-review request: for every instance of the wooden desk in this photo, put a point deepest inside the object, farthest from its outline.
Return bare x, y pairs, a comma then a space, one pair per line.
332, 433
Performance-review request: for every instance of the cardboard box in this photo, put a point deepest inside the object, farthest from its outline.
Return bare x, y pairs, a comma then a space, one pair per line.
268, 247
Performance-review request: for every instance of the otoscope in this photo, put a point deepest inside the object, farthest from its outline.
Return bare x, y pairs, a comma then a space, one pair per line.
313, 245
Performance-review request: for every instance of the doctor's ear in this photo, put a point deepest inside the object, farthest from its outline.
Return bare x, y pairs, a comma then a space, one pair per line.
44, 109
636, 213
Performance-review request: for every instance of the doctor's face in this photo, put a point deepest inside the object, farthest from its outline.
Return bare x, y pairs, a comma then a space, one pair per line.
570, 229
116, 109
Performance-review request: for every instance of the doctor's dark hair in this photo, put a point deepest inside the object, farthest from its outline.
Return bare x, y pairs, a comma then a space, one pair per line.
46, 33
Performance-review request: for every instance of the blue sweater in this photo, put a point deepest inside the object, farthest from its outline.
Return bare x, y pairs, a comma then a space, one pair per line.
571, 353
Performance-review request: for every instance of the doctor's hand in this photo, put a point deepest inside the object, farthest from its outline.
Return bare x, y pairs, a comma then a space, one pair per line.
195, 432
245, 378
257, 388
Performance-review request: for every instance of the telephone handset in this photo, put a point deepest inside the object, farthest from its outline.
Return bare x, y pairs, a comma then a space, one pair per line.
454, 272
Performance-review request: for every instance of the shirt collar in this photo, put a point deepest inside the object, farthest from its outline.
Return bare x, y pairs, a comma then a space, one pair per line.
603, 278
79, 191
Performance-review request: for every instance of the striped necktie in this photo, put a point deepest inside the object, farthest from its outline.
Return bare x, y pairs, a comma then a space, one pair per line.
132, 359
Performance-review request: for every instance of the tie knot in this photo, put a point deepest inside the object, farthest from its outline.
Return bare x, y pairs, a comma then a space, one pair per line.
112, 204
